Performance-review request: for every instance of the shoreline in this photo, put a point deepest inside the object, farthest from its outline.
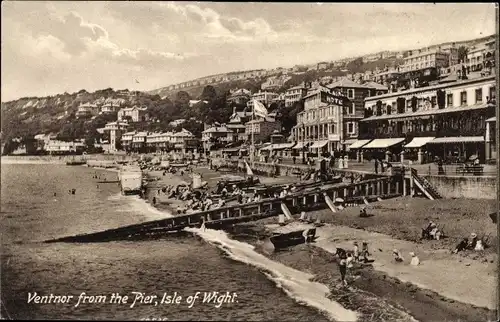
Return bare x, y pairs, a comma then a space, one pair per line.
403, 298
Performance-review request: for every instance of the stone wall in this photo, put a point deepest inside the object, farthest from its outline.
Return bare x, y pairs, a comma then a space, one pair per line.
269, 169
469, 187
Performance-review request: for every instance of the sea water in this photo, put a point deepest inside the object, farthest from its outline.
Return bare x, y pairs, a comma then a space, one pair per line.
166, 279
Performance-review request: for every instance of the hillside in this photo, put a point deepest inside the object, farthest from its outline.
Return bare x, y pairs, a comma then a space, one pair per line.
27, 117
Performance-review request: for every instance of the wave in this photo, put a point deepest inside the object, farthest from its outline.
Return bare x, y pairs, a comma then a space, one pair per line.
294, 283
137, 204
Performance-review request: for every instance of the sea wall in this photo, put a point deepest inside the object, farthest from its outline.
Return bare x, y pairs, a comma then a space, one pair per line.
469, 187
269, 169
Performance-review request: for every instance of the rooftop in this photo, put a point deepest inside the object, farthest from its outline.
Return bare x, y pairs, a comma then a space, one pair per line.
433, 87
347, 83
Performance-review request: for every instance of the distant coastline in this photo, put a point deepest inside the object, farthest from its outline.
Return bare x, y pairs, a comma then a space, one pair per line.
56, 159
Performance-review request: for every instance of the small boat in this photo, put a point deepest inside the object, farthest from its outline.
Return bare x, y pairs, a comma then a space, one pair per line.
293, 238
76, 162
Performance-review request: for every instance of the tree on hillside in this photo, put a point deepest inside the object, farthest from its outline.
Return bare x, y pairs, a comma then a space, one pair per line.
209, 93
462, 53
355, 65
288, 115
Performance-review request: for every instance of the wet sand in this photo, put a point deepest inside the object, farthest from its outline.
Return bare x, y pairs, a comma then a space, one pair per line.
383, 291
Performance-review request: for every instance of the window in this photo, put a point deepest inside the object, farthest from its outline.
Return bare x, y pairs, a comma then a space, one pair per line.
350, 93
433, 101
479, 95
350, 128
493, 93
449, 100
463, 98
352, 109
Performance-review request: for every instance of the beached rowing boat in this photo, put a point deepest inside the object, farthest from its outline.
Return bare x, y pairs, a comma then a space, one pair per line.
293, 238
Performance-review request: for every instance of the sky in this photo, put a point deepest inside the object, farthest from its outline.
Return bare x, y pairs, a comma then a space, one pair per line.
55, 47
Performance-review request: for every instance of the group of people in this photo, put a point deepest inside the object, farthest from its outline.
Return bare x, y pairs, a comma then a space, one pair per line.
431, 232
472, 243
384, 165
398, 258
348, 258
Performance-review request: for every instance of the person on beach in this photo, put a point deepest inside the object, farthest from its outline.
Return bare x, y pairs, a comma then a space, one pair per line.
154, 201
461, 246
362, 212
356, 251
294, 159
349, 260
364, 251
473, 241
415, 261
397, 256
343, 269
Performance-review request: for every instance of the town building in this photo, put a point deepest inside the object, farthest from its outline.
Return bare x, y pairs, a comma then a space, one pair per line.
261, 129
481, 56
126, 140
294, 94
278, 147
185, 141
133, 114
177, 122
86, 110
139, 142
194, 102
264, 97
62, 147
239, 97
425, 58
237, 123
386, 77
354, 111
216, 134
109, 108
323, 65
448, 121
274, 82
320, 125
371, 58
115, 129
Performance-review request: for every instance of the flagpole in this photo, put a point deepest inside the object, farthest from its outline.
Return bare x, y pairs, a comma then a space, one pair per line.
253, 131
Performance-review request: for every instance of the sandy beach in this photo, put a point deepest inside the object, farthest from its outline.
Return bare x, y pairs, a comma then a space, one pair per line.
444, 287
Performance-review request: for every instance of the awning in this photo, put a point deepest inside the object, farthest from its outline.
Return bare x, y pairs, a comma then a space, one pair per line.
419, 142
358, 144
457, 139
491, 119
382, 143
349, 142
231, 150
266, 148
300, 145
283, 146
319, 144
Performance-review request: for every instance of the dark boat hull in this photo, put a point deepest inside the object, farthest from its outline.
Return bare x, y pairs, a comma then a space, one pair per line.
292, 239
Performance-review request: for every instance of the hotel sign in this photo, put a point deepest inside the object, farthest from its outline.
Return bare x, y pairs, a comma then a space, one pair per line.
332, 99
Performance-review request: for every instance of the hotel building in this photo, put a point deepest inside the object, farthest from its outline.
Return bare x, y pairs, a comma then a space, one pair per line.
452, 121
354, 112
320, 126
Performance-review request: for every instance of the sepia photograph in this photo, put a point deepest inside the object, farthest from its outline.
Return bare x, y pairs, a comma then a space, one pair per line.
249, 161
